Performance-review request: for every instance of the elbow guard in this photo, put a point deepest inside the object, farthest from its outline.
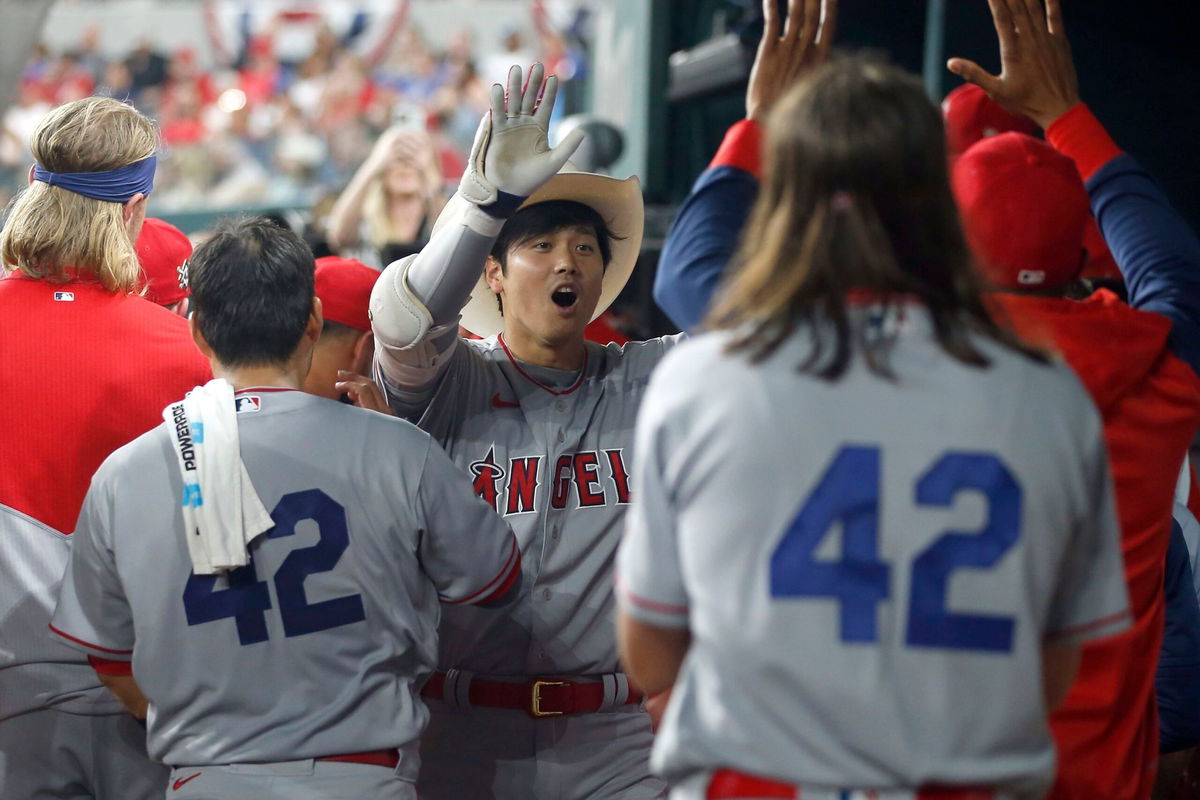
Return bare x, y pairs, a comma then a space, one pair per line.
398, 318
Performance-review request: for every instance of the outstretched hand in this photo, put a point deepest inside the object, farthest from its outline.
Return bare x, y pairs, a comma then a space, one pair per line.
804, 43
512, 154
1037, 75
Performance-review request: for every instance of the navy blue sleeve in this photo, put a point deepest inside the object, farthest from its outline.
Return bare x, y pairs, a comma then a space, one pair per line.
701, 243
1158, 253
1177, 681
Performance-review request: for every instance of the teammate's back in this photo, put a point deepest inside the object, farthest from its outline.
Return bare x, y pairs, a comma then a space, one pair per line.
331, 654
870, 525
871, 556
260, 575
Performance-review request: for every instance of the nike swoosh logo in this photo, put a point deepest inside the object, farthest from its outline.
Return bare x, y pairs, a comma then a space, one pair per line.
498, 403
179, 783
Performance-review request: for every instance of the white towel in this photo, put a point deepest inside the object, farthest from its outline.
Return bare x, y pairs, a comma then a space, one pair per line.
222, 513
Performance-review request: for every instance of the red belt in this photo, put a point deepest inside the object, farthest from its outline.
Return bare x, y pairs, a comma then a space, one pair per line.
378, 758
728, 784
541, 697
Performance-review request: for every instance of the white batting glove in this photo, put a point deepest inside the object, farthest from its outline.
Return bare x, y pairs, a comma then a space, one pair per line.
511, 156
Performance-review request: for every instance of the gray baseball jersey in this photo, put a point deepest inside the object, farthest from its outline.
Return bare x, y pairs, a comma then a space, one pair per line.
868, 567
550, 451
320, 645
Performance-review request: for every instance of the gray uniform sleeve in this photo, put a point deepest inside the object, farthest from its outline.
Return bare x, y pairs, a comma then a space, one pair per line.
649, 580
93, 613
441, 278
1092, 601
466, 549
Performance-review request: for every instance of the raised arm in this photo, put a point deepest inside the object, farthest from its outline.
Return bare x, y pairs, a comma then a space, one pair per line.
704, 236
1156, 250
345, 218
416, 302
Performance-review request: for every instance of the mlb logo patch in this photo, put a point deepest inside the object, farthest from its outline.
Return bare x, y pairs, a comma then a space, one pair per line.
64, 297
247, 403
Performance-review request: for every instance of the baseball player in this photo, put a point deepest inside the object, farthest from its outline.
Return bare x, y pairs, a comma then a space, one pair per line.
162, 251
869, 524
296, 673
85, 366
1024, 204
346, 347
535, 706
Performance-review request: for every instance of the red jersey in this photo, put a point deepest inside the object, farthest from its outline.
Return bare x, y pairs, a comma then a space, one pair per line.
82, 372
1106, 730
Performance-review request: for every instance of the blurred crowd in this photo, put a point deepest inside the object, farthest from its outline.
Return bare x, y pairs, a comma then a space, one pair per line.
266, 130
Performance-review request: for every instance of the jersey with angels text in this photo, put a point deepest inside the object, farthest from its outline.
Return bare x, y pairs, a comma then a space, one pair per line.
555, 461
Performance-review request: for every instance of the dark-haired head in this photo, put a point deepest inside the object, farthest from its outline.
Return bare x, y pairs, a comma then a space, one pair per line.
252, 291
543, 218
856, 196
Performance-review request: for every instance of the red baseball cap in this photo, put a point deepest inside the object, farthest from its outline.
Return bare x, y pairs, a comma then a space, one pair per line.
970, 115
344, 286
162, 250
1024, 209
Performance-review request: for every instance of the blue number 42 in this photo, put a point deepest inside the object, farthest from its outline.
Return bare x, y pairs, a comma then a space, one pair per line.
849, 492
246, 598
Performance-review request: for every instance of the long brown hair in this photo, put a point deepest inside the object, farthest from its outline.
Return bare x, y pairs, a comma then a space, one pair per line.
856, 197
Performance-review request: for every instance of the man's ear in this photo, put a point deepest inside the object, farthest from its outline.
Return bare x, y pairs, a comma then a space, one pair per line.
364, 352
316, 321
133, 212
198, 337
493, 273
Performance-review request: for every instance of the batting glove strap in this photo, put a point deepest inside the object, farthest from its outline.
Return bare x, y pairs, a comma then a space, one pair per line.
505, 206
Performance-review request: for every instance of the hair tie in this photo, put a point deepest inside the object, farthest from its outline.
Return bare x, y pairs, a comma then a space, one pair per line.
841, 200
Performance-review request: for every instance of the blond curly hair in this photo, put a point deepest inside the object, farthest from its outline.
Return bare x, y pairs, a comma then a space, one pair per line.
52, 233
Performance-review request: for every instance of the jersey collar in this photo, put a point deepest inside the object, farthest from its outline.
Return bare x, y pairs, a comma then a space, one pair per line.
517, 366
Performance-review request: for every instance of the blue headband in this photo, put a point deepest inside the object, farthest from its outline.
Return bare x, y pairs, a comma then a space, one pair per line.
113, 186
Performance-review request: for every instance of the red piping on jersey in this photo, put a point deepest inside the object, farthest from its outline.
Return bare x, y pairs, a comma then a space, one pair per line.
535, 381
89, 644
652, 605
110, 666
507, 574
1089, 626
267, 389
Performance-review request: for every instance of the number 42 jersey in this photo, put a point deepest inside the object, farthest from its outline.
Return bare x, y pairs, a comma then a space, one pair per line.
320, 645
868, 567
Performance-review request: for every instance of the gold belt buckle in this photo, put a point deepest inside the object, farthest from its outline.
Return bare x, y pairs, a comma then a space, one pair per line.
535, 706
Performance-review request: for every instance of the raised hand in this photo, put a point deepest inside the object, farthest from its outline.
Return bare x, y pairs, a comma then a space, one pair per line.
804, 43
512, 156
1037, 75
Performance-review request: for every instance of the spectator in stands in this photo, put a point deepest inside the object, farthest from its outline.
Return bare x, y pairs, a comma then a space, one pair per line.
393, 199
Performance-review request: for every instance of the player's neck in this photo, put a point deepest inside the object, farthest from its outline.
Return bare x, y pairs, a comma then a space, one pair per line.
526, 347
289, 375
